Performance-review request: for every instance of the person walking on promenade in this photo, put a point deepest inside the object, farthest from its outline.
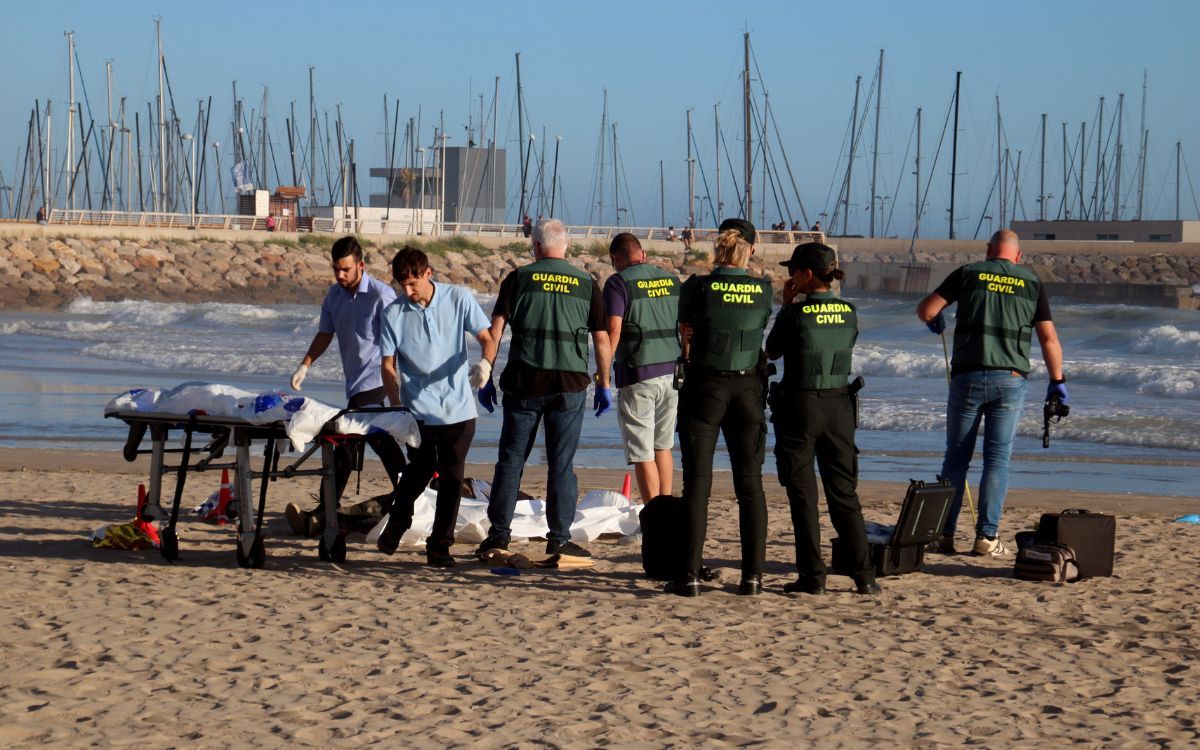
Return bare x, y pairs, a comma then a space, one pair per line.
353, 313
1000, 305
551, 306
722, 317
813, 411
642, 305
425, 369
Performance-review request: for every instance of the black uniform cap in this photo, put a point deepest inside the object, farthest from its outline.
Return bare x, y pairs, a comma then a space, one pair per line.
745, 228
814, 255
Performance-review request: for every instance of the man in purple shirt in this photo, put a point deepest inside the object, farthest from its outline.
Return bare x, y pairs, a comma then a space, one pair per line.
353, 313
641, 304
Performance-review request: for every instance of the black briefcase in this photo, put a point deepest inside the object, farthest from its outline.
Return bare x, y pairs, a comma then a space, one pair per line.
922, 515
664, 531
1092, 535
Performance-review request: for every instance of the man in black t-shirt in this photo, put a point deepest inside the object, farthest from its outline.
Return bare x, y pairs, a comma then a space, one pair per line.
551, 307
1000, 305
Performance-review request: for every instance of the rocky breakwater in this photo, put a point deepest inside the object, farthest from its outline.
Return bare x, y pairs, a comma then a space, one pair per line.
41, 272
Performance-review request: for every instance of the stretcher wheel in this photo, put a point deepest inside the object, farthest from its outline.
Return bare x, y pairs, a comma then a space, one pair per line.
169, 544
257, 557
336, 553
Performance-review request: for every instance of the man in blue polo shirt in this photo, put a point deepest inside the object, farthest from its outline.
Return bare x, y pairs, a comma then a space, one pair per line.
352, 312
425, 369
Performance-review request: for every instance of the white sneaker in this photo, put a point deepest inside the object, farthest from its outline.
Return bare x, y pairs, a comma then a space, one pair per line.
992, 547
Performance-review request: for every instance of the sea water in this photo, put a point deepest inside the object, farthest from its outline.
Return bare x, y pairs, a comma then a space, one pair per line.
1133, 376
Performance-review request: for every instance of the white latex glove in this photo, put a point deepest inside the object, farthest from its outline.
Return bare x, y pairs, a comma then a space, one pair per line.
298, 376
480, 374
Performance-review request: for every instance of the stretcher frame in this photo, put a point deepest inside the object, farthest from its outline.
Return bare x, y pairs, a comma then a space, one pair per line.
222, 430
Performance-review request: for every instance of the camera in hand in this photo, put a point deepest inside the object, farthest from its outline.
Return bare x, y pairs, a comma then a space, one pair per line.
1052, 412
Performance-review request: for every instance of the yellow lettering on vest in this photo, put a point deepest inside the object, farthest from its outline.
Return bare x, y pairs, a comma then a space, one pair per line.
826, 307
1002, 288
556, 288
737, 299
826, 319
1011, 281
724, 286
658, 293
655, 283
556, 278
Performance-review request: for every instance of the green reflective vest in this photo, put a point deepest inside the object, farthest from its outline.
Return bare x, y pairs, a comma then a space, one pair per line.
728, 311
550, 316
994, 324
649, 330
821, 355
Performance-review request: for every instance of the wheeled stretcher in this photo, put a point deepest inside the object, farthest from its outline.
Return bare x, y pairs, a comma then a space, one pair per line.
221, 432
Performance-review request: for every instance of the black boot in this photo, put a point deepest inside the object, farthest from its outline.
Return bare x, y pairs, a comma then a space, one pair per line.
689, 585
750, 585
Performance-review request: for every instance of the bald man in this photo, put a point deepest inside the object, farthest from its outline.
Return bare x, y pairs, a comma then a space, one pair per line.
1000, 305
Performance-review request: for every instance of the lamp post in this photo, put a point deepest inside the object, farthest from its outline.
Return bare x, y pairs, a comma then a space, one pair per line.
421, 194
192, 195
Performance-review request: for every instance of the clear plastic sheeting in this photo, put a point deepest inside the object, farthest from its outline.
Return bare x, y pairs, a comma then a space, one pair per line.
303, 418
599, 512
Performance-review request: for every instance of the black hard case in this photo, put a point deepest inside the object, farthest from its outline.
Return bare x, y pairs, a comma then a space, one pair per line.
922, 516
1093, 536
663, 535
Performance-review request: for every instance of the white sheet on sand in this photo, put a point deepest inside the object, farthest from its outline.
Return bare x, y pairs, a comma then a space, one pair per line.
303, 417
598, 512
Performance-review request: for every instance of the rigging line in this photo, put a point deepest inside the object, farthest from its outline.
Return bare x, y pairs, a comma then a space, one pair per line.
932, 171
991, 191
703, 178
779, 139
767, 164
833, 179
1191, 187
1064, 209
737, 190
896, 191
625, 178
844, 195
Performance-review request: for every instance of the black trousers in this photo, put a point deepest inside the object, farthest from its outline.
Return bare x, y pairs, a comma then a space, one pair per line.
730, 404
444, 450
345, 456
820, 425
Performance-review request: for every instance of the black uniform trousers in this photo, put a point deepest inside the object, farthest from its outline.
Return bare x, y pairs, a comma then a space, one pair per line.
729, 403
820, 425
443, 449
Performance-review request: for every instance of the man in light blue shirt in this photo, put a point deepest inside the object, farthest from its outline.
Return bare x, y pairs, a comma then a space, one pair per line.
353, 313
425, 369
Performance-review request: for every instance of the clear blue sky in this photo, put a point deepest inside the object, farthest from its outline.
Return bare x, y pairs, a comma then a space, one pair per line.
656, 60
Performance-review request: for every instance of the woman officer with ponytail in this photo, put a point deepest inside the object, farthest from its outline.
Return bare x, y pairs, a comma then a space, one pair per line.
813, 412
722, 317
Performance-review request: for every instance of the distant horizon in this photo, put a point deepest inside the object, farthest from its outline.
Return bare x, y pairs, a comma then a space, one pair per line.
675, 60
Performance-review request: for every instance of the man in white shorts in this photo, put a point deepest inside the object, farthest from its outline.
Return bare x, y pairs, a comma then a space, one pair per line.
641, 302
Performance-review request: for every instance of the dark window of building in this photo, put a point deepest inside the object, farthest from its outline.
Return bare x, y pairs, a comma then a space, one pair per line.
1161, 238
1049, 236
1107, 237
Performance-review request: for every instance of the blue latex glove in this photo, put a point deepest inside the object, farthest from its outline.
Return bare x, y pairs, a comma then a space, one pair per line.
603, 400
1057, 389
487, 396
937, 324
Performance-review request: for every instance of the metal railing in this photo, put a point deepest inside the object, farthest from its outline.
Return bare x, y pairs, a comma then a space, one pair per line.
158, 220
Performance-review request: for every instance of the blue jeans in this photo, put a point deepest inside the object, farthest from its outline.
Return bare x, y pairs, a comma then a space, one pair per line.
997, 398
563, 413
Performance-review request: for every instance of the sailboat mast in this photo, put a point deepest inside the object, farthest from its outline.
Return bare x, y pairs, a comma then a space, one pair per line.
1116, 213
717, 153
1178, 163
1145, 143
1000, 192
1097, 203
616, 178
954, 150
850, 162
662, 195
1065, 174
1042, 180
691, 173
875, 153
265, 178
748, 153
160, 202
917, 172
521, 137
70, 176
312, 140
554, 179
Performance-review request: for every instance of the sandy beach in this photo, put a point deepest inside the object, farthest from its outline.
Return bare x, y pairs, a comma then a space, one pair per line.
118, 648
